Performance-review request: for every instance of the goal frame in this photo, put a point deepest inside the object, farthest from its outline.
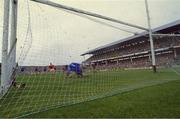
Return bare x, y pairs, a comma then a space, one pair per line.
8, 65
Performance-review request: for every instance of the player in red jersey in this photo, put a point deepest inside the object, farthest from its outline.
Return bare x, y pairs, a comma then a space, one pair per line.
51, 67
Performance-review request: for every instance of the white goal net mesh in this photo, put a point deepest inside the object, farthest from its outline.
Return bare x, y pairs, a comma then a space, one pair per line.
49, 39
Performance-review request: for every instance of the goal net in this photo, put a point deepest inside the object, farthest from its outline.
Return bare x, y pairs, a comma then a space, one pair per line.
53, 65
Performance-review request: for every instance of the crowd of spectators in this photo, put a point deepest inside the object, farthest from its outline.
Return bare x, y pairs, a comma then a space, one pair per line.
133, 48
136, 47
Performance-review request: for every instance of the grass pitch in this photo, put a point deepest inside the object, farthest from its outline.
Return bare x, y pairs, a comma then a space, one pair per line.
46, 91
159, 101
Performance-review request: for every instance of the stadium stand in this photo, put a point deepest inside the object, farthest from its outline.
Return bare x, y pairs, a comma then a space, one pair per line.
134, 51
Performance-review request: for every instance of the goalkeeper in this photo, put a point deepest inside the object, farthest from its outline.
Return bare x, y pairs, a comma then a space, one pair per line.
74, 67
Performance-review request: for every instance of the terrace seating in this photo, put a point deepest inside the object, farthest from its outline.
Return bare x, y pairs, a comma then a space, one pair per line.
136, 48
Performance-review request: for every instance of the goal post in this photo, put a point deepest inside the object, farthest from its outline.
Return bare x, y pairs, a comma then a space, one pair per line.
9, 44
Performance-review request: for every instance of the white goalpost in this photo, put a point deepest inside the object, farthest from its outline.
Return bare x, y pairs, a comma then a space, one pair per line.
9, 44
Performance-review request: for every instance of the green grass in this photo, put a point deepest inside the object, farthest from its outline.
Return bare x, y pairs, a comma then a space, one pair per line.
156, 101
138, 87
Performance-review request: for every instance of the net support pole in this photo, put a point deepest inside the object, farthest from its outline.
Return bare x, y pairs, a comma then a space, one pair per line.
5, 46
151, 38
